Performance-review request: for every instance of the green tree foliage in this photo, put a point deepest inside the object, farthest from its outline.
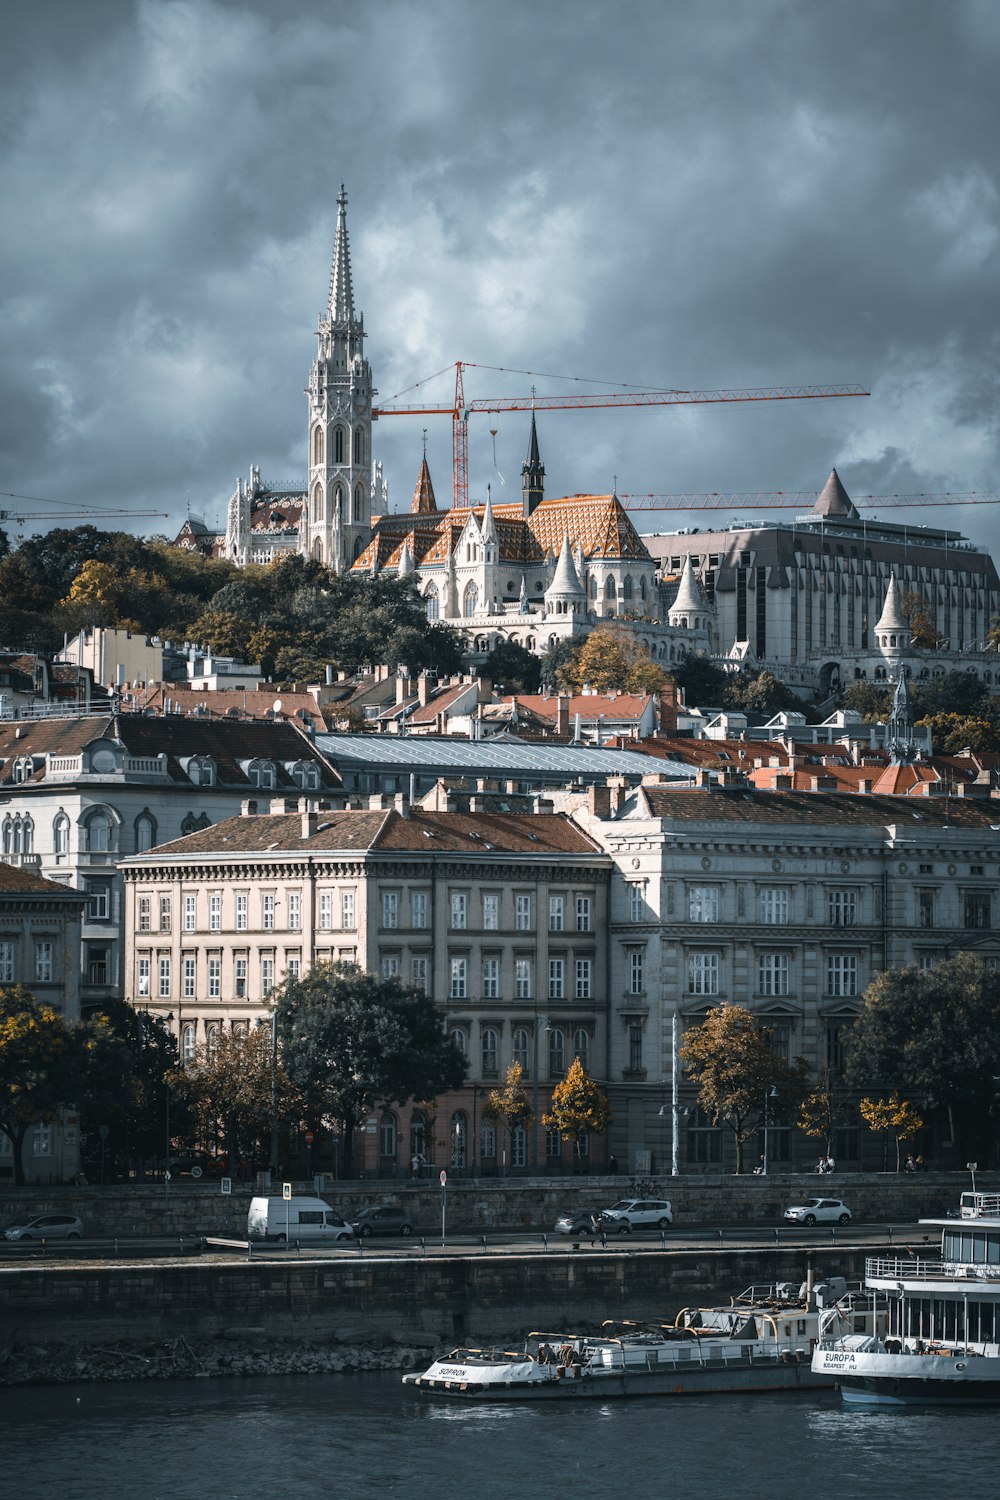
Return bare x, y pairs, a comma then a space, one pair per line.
871, 701
934, 1033
579, 1107
703, 683
509, 1107
953, 733
894, 1117
609, 660
228, 1087
351, 1042
759, 693
730, 1059
38, 1066
513, 668
128, 1059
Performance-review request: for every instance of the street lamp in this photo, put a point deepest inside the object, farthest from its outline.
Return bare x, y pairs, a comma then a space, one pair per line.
769, 1094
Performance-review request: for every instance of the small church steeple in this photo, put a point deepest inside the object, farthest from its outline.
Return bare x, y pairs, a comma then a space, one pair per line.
532, 475
340, 308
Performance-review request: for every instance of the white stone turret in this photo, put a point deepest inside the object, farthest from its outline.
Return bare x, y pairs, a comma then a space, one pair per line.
892, 633
688, 609
565, 594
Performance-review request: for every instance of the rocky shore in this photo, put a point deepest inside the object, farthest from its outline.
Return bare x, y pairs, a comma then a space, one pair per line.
236, 1353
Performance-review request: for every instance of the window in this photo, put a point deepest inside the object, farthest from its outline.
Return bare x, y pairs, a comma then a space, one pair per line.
294, 911
772, 906
636, 904
842, 974
266, 975
491, 911
703, 973
164, 913
387, 1138
557, 978
419, 969
261, 774
583, 914
189, 972
145, 833
491, 978
418, 909
142, 977
60, 835
557, 1052
779, 1037
703, 903
215, 912
519, 1049
306, 776
459, 978
347, 909
187, 1044
519, 1146
98, 968
145, 921
583, 979
41, 1140
390, 908
489, 1046
635, 1047
212, 1039
164, 989
201, 770
190, 910
325, 910
704, 1140
458, 1139
772, 973
636, 967
925, 908
556, 913
581, 1046
267, 911
214, 977
293, 967
6, 961
522, 978
522, 911
242, 910
841, 908
459, 1039
553, 1145
459, 911
487, 1142
976, 909
98, 901
390, 966
43, 961
837, 1033
99, 833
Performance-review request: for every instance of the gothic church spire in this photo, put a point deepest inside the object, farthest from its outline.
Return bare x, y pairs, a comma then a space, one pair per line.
340, 308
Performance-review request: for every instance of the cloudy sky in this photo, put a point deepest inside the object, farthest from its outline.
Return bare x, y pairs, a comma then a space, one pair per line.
669, 194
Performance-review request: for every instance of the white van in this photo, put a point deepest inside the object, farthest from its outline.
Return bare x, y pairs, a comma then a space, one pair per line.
295, 1219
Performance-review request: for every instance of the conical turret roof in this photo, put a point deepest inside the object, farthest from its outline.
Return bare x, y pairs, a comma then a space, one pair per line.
565, 580
833, 500
423, 502
892, 617
688, 599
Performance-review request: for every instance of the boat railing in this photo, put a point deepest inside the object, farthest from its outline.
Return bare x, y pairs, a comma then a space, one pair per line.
880, 1268
980, 1205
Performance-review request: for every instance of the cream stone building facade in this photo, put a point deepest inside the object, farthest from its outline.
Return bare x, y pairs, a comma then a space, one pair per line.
500, 917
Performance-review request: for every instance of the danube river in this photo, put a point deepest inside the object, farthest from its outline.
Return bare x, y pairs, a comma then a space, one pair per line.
362, 1436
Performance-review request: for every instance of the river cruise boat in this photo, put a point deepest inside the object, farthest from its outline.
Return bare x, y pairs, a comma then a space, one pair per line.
760, 1341
942, 1344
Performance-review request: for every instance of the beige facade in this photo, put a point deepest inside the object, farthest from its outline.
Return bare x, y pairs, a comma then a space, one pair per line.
501, 918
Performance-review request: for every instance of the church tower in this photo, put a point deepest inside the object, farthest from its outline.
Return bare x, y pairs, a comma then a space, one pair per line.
532, 475
336, 524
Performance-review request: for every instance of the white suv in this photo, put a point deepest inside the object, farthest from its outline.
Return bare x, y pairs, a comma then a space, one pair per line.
819, 1211
637, 1213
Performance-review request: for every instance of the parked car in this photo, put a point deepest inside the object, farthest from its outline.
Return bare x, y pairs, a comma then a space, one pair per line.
819, 1211
45, 1227
195, 1164
637, 1213
385, 1219
582, 1221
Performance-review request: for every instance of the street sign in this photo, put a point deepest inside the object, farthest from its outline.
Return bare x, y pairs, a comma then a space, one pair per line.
286, 1190
444, 1177
226, 1184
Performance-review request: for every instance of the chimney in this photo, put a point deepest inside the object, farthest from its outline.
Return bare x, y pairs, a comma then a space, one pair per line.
424, 685
865, 785
404, 687
599, 801
248, 807
562, 715
310, 822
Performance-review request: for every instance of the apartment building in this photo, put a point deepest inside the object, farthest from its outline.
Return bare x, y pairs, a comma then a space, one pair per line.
500, 917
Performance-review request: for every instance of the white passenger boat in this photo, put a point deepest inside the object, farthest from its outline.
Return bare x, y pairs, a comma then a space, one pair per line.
761, 1341
942, 1345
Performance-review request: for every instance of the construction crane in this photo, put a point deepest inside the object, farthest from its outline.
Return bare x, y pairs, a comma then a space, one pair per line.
20, 516
784, 500
460, 410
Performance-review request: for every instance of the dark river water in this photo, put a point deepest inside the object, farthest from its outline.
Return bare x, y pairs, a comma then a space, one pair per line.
363, 1436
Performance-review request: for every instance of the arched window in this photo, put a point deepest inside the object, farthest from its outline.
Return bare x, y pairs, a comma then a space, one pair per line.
490, 1045
22, 770
145, 832
99, 832
593, 588
557, 1052
627, 587
470, 600
432, 604
610, 591
642, 588
359, 445
338, 445
459, 1138
581, 1047
487, 1142
201, 770
418, 1134
520, 1048
359, 502
460, 1040
194, 824
317, 445
60, 835
27, 836
187, 1044
519, 1146
8, 835
317, 503
387, 1137
305, 774
261, 774
212, 1039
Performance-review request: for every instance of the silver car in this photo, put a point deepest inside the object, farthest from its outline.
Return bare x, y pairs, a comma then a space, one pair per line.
637, 1213
46, 1227
819, 1211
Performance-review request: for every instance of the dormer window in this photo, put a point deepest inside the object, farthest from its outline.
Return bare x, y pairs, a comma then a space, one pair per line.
22, 769
261, 774
305, 774
202, 770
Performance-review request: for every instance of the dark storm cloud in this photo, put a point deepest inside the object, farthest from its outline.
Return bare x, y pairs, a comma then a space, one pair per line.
659, 193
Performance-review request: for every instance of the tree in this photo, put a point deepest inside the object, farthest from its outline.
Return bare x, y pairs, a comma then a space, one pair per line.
608, 661
230, 1086
129, 1058
759, 693
934, 1033
953, 733
822, 1110
351, 1042
893, 1116
872, 702
579, 1107
703, 683
511, 666
729, 1057
920, 618
509, 1107
37, 1067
